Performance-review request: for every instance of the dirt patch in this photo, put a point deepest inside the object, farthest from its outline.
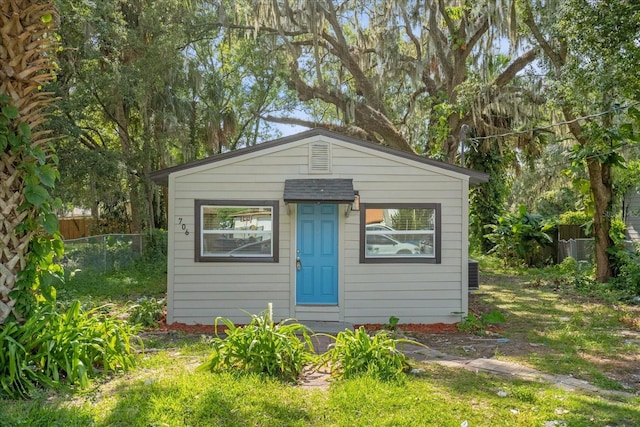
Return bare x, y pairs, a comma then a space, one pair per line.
432, 328
191, 329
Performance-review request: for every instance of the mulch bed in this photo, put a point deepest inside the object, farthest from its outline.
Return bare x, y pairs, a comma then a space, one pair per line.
433, 328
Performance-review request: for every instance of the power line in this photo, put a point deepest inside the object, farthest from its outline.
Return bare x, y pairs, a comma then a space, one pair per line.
553, 125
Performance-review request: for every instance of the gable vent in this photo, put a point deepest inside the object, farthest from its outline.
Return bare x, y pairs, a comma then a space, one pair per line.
319, 157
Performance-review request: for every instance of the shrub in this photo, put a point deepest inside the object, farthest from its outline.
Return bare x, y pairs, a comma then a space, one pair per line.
569, 265
627, 268
571, 268
279, 350
51, 349
155, 247
18, 374
356, 353
147, 312
479, 324
576, 218
519, 237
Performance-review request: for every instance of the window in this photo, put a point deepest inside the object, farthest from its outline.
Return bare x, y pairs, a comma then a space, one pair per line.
229, 231
400, 233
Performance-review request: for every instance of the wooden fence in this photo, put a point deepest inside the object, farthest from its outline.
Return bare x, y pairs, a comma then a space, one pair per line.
76, 228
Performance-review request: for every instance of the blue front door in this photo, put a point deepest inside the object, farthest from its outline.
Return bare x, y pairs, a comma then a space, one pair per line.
317, 254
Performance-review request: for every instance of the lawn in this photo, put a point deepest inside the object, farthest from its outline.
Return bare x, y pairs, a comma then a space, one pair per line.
570, 333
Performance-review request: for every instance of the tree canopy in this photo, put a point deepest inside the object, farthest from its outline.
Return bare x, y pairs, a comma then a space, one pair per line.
144, 85
403, 73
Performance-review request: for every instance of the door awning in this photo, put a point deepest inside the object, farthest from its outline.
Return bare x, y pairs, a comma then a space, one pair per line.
319, 190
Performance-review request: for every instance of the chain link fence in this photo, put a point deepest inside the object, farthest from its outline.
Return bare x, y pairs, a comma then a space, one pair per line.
578, 249
584, 249
105, 252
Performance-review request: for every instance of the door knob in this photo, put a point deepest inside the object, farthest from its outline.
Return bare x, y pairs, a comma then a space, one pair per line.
298, 264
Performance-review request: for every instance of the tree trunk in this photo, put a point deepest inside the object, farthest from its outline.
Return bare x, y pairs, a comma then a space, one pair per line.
27, 62
14, 245
602, 191
121, 118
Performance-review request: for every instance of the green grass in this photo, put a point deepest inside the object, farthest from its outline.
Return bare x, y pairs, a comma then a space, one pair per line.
579, 334
95, 288
167, 390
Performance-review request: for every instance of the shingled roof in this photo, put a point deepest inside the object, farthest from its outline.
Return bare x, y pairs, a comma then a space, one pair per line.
319, 190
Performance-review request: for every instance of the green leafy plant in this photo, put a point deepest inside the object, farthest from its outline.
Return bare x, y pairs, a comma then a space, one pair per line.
18, 375
568, 266
78, 344
470, 323
52, 349
575, 218
279, 350
518, 237
627, 269
32, 225
356, 353
147, 312
392, 325
479, 324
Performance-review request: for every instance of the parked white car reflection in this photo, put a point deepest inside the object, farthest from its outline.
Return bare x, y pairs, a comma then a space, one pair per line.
380, 244
260, 248
387, 244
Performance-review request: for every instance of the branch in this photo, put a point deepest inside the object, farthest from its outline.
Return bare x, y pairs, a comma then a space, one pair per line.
574, 126
345, 129
475, 38
105, 109
363, 84
333, 20
412, 102
266, 29
430, 84
557, 60
447, 19
439, 40
374, 122
515, 67
412, 37
90, 141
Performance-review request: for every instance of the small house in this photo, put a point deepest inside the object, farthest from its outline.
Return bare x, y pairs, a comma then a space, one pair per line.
324, 226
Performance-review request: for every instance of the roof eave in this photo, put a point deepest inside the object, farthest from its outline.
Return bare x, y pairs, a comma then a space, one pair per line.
161, 177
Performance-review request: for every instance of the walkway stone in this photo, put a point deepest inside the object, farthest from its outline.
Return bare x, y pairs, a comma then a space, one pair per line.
327, 327
513, 370
320, 379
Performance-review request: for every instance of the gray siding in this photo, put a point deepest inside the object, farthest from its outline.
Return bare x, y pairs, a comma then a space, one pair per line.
369, 293
632, 215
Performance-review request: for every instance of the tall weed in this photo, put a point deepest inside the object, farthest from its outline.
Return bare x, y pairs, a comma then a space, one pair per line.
279, 350
54, 348
80, 344
627, 268
18, 372
356, 353
147, 312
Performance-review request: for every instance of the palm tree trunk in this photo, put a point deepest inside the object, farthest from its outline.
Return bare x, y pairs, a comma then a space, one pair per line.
26, 55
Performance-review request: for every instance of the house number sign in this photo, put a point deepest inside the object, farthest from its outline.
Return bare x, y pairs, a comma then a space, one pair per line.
183, 226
